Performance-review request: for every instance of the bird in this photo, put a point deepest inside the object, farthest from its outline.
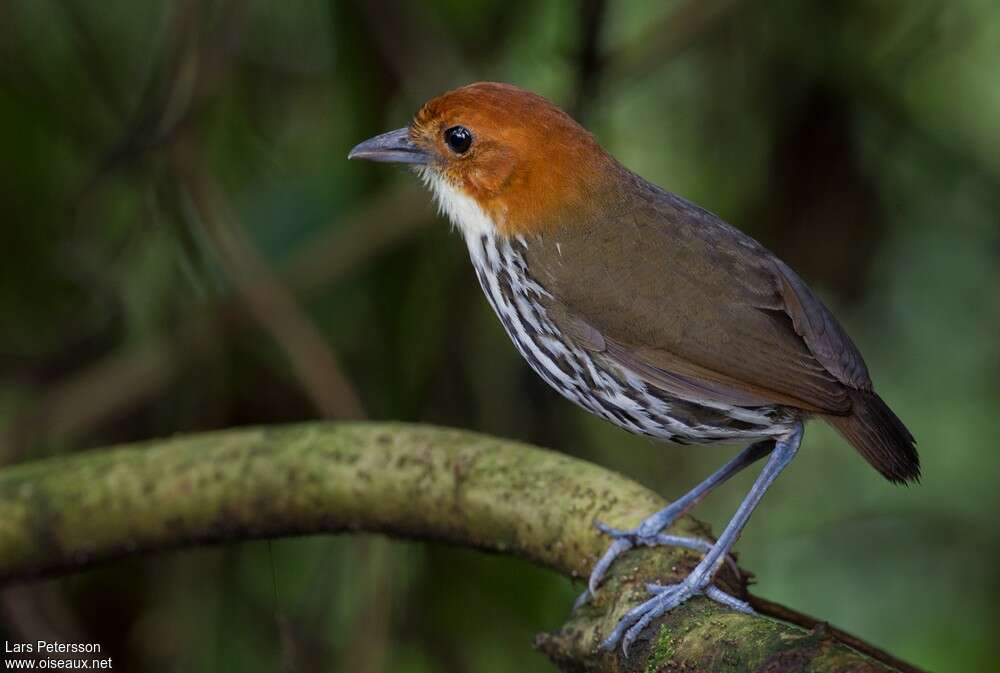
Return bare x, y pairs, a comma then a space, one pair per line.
644, 309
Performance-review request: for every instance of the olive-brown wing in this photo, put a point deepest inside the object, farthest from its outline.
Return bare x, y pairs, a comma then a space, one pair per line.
694, 306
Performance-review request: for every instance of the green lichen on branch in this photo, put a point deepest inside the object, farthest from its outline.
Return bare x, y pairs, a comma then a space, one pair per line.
411, 481
662, 650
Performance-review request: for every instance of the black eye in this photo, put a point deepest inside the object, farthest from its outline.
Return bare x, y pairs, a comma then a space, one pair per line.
458, 138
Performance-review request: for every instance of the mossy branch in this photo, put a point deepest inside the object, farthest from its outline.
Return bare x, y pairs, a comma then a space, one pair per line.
411, 481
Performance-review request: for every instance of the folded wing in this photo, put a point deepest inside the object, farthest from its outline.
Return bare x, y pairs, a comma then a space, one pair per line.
703, 312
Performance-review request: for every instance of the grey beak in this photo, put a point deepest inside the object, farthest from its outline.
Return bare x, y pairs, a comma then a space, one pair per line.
394, 146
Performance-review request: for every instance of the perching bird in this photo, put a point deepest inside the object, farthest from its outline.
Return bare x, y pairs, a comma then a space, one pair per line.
642, 308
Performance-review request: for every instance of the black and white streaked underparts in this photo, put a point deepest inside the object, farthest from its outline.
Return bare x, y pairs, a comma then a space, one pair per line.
587, 379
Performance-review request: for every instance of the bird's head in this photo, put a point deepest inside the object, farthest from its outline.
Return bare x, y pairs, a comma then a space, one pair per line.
500, 160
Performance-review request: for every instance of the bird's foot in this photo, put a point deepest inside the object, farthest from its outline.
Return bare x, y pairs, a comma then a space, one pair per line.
640, 536
646, 534
666, 598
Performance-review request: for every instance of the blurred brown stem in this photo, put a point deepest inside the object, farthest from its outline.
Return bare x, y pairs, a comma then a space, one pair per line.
271, 303
125, 379
410, 481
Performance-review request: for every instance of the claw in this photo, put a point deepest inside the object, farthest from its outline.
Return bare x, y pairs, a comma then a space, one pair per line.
638, 536
666, 598
720, 596
617, 548
609, 531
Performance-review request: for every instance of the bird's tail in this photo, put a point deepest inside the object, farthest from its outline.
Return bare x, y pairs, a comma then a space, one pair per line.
879, 436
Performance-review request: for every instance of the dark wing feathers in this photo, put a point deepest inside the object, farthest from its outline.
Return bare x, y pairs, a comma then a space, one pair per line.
827, 340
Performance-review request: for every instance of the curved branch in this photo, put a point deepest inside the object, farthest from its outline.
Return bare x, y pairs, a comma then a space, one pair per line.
406, 480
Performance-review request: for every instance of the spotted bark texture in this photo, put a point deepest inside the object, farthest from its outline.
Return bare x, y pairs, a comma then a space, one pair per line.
412, 481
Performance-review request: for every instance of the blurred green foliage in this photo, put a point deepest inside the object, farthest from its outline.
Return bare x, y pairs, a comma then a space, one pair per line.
858, 140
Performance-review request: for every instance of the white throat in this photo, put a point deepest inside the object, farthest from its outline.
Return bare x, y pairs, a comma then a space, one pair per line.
463, 211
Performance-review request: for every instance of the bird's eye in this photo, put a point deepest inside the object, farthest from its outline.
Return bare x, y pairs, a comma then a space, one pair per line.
458, 138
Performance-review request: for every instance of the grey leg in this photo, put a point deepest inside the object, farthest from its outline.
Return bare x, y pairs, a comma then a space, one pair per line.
647, 532
698, 582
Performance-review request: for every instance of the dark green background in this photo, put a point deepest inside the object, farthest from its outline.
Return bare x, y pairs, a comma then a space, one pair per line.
858, 140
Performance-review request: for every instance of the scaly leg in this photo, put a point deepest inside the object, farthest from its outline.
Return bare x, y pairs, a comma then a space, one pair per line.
647, 533
666, 598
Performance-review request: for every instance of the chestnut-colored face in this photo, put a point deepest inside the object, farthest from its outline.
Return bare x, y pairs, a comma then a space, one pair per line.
520, 161
473, 137
515, 153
